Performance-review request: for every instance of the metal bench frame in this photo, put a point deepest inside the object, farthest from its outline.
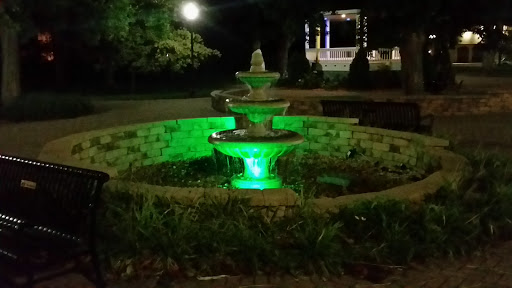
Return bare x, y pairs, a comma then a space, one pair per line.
47, 220
388, 115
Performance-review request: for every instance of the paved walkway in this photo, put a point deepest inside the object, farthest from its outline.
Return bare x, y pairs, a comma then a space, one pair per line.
27, 139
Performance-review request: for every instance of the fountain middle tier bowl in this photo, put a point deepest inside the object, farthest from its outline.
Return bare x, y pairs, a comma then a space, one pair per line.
238, 143
257, 79
258, 111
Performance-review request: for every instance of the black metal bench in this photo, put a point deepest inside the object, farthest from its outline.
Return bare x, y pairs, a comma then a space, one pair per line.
388, 115
47, 221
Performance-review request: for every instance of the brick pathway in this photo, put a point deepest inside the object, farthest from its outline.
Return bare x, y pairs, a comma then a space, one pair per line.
492, 269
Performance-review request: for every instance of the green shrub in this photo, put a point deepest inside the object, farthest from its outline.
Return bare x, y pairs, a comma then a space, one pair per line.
46, 107
228, 237
359, 74
298, 67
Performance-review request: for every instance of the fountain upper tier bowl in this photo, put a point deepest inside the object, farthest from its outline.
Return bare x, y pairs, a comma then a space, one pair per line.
238, 143
257, 79
259, 111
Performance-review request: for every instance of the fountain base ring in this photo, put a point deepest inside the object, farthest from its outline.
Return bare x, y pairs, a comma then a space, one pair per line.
241, 182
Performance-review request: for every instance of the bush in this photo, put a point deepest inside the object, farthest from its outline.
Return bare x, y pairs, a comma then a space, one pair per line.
359, 74
46, 107
146, 235
298, 67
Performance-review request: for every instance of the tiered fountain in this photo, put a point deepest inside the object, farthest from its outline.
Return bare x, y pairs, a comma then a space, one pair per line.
258, 145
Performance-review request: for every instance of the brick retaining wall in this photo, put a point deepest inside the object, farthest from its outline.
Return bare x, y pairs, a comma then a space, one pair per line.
147, 144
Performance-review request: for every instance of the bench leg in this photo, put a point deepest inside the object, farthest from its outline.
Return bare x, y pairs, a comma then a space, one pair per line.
98, 277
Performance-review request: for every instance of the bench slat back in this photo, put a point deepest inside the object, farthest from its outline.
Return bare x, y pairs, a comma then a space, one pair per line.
348, 109
49, 196
388, 115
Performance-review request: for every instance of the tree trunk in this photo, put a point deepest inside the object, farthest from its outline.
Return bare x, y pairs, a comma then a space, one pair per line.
110, 75
489, 63
411, 53
62, 62
11, 87
132, 82
282, 56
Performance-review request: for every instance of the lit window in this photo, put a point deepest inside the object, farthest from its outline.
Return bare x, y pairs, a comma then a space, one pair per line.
44, 37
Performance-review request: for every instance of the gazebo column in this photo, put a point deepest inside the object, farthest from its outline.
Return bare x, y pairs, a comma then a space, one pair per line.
327, 33
306, 27
361, 31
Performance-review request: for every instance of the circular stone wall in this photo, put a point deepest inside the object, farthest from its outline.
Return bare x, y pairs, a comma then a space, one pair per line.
117, 149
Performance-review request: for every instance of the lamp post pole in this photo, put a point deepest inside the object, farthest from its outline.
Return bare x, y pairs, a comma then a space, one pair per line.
191, 47
191, 11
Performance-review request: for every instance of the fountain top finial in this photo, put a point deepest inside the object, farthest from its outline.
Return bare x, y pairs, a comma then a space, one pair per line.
257, 62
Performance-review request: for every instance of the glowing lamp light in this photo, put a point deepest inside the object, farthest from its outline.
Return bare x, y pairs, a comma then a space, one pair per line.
343, 15
467, 34
190, 11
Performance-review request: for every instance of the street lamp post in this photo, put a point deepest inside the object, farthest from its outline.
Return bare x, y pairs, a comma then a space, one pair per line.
191, 11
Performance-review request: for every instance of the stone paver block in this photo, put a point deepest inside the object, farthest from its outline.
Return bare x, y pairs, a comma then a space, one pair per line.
130, 142
354, 142
151, 138
157, 130
366, 143
387, 140
175, 150
376, 138
304, 145
409, 151
105, 139
400, 142
316, 132
401, 158
153, 146
339, 148
180, 134
377, 153
202, 147
380, 146
98, 158
154, 153
361, 135
317, 146
193, 124
143, 132
116, 153
339, 141
343, 127
86, 144
387, 156
164, 137
196, 133
324, 139
189, 141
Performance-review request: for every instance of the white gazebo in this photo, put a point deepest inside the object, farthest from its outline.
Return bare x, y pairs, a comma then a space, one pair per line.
339, 58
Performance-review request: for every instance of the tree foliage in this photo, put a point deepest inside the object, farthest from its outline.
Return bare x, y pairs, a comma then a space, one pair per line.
145, 37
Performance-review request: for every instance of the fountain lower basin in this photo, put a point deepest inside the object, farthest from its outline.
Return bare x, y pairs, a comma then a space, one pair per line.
258, 153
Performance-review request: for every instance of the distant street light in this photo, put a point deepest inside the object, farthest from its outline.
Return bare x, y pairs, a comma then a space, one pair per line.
191, 12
